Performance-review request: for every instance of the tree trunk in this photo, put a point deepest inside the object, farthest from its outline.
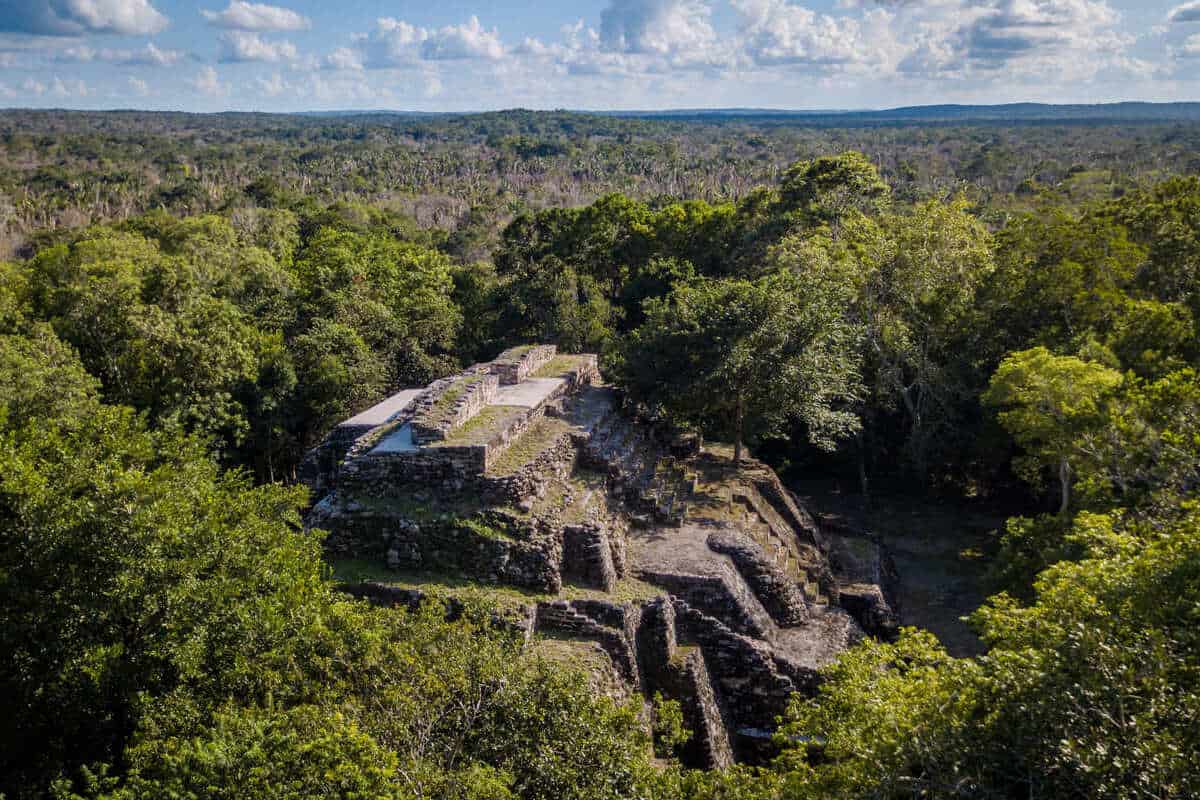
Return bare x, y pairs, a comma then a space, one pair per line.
1064, 480
864, 483
739, 418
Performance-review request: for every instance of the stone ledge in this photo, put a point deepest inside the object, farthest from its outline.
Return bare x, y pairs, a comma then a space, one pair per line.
450, 403
518, 363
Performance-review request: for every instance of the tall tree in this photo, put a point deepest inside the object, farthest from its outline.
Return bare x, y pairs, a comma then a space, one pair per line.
743, 357
1046, 401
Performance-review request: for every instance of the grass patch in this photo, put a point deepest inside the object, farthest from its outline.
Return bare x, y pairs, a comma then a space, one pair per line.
437, 583
528, 445
626, 590
481, 427
558, 367
483, 529
440, 409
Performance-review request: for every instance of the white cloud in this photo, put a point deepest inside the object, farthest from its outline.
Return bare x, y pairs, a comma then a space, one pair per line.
206, 82
466, 41
68, 88
1017, 40
344, 58
393, 43
273, 86
657, 27
343, 90
397, 43
139, 87
77, 17
1189, 48
775, 32
243, 16
239, 46
1188, 12
150, 55
31, 86
7, 91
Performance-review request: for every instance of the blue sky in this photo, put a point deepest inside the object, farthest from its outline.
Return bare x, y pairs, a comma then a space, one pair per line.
457, 55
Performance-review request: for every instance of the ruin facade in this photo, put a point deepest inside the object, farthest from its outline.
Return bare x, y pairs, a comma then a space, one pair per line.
690, 577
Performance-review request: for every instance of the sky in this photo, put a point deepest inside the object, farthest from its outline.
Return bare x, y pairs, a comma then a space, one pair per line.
473, 55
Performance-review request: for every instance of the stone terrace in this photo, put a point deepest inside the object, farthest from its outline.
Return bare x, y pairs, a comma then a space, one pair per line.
448, 434
691, 576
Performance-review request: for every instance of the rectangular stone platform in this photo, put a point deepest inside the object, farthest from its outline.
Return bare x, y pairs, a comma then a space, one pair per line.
531, 393
383, 411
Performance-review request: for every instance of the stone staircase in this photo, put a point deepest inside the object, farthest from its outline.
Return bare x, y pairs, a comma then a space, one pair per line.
754, 526
641, 470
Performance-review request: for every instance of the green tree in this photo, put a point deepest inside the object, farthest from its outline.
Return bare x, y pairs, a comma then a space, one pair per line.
725, 353
1045, 402
1089, 691
827, 189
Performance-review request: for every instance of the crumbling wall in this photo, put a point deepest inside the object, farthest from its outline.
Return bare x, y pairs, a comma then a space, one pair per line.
753, 688
597, 621
772, 489
449, 403
691, 685
587, 557
518, 363
726, 596
446, 470
555, 462
482, 548
778, 593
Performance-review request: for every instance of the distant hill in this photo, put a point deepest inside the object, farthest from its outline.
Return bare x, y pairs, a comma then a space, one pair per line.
1032, 113
1013, 112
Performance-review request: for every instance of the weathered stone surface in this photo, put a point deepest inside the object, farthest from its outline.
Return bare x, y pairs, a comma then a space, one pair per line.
587, 557
567, 485
482, 547
709, 747
866, 583
449, 403
573, 618
518, 363
778, 593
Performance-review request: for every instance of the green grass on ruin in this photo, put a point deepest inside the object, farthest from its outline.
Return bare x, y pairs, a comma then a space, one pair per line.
529, 445
559, 367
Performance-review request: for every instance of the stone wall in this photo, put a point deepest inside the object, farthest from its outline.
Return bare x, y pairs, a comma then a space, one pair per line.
772, 489
750, 684
449, 471
530, 480
586, 372
726, 596
587, 557
449, 403
709, 747
318, 470
575, 619
518, 363
778, 592
482, 548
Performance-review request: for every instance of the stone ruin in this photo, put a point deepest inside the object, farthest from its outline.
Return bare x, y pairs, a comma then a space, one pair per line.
627, 547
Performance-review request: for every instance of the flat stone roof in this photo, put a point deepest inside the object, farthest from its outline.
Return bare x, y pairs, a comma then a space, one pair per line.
398, 441
382, 412
529, 393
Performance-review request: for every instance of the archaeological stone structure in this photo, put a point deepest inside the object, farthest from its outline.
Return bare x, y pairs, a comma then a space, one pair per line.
616, 543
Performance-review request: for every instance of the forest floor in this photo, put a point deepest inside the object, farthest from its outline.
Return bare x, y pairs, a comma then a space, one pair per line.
941, 552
